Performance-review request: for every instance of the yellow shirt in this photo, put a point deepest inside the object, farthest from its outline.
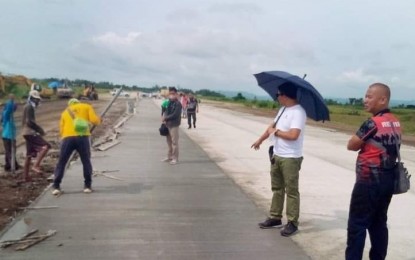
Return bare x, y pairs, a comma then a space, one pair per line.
81, 110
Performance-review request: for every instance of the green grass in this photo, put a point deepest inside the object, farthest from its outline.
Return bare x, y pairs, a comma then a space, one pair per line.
350, 117
20, 92
354, 116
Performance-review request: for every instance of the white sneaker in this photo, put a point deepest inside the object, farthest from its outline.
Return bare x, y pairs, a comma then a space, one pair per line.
173, 162
166, 160
56, 192
87, 190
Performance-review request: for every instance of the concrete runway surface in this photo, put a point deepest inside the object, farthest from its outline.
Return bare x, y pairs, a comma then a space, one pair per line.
191, 210
326, 180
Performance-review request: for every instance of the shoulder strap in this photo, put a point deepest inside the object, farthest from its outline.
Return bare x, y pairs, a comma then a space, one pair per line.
396, 141
71, 113
275, 124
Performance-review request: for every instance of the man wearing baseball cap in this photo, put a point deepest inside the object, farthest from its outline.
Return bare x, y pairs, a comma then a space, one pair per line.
36, 146
75, 133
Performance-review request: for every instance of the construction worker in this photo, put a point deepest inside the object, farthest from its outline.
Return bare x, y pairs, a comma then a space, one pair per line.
36, 146
75, 133
9, 133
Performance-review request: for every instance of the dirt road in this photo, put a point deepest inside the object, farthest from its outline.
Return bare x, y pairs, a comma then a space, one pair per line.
15, 195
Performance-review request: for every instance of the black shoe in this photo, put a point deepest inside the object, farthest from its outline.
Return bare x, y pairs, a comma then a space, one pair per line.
270, 223
289, 229
9, 168
189, 127
194, 126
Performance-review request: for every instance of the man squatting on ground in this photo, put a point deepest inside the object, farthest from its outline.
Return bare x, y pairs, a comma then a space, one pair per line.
376, 142
75, 140
32, 133
288, 135
172, 118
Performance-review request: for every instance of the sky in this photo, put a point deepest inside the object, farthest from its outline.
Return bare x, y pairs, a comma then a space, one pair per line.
342, 46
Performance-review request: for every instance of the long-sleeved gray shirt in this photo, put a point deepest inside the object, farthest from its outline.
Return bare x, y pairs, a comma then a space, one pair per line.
173, 114
29, 122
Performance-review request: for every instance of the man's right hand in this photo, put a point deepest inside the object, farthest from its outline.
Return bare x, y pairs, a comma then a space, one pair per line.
256, 145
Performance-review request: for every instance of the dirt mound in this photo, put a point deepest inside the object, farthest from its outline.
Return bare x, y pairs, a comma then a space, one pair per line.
16, 80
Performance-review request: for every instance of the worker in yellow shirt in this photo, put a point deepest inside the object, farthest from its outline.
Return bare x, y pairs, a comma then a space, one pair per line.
75, 133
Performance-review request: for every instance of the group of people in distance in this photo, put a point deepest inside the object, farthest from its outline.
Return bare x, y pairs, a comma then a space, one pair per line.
377, 141
74, 132
190, 106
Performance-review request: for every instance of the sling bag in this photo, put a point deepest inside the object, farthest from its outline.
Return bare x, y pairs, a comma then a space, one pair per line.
80, 125
401, 176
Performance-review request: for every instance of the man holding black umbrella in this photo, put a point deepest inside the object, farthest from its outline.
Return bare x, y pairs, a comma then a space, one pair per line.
287, 132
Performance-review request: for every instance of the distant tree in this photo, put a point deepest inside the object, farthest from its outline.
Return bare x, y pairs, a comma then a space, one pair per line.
359, 102
356, 101
331, 102
209, 93
239, 97
186, 90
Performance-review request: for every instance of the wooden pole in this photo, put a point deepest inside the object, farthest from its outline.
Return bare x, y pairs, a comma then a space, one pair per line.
13, 141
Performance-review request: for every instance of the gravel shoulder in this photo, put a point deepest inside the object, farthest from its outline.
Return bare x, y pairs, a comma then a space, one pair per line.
269, 113
16, 195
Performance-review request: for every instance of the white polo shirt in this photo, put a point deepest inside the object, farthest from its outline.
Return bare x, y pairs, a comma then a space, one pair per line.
292, 117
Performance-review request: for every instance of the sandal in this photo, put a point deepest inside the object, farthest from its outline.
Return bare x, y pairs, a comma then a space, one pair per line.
37, 170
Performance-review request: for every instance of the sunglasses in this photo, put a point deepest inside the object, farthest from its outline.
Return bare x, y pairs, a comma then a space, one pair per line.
278, 94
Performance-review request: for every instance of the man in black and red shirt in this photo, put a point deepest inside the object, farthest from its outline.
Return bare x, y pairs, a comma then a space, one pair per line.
376, 142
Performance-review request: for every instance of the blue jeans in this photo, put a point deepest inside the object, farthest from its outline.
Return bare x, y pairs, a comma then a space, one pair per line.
369, 211
68, 145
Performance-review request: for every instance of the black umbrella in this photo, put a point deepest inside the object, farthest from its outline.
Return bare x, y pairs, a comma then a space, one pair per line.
307, 96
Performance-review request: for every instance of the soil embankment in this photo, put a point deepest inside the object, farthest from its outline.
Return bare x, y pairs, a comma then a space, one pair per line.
16, 195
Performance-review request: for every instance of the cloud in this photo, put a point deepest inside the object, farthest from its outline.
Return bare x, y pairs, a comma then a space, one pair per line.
402, 46
199, 57
235, 8
113, 39
183, 15
211, 44
356, 76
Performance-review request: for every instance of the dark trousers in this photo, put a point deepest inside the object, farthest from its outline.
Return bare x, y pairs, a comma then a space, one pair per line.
68, 145
369, 211
8, 154
189, 118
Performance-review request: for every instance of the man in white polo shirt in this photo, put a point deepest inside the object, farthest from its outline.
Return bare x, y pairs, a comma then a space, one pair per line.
287, 132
